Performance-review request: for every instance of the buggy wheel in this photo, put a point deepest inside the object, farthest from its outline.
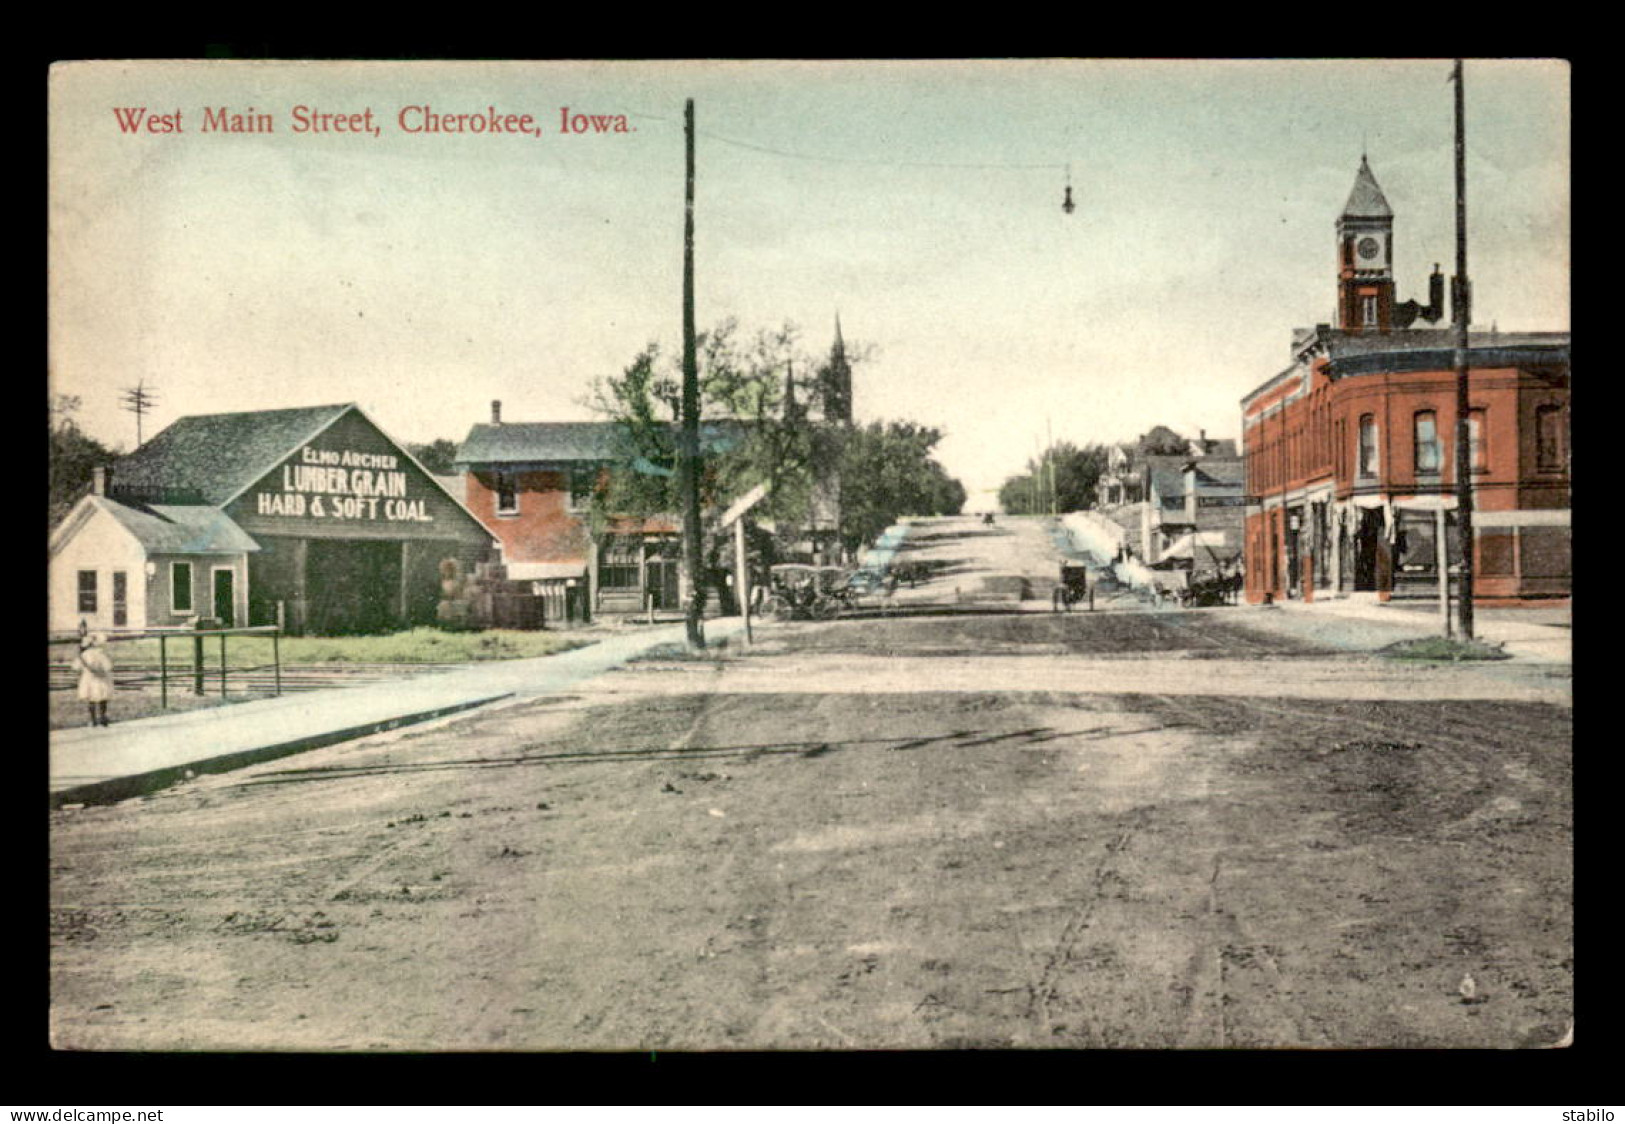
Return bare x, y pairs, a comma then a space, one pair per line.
777, 607
826, 608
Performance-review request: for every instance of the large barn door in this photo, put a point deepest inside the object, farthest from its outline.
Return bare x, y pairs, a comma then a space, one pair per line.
353, 586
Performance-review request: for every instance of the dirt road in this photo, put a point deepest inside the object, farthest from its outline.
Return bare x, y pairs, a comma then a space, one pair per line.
1107, 830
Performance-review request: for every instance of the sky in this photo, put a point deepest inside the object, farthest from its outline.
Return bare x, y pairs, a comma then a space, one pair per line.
423, 275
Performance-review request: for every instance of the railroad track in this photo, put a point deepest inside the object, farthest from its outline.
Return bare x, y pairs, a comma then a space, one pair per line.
253, 680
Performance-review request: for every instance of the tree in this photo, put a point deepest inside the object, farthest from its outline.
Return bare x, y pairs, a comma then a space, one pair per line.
73, 455
887, 471
767, 413
438, 456
755, 428
1076, 471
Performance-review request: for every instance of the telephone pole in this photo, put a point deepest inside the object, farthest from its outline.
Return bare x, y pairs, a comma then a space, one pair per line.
1461, 315
692, 547
138, 400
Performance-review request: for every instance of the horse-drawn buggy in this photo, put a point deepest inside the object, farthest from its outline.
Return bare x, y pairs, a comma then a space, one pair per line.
1072, 588
800, 592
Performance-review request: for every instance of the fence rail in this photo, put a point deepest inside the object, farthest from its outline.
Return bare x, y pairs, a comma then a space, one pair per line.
198, 670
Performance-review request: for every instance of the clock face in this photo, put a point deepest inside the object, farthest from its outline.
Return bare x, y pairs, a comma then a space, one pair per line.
1368, 248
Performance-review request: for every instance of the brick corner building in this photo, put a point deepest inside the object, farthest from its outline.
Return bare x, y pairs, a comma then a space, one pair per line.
1350, 451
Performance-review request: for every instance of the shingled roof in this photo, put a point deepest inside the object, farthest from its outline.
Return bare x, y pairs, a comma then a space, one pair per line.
516, 443
216, 456
1367, 201
527, 442
173, 529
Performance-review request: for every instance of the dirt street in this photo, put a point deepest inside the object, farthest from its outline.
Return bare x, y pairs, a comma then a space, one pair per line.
1185, 829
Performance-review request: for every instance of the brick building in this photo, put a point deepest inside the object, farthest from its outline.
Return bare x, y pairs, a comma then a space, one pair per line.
530, 484
1350, 450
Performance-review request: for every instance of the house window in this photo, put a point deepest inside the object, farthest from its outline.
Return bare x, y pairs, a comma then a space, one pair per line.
87, 591
180, 587
1549, 438
1368, 445
1475, 441
582, 483
1427, 443
507, 494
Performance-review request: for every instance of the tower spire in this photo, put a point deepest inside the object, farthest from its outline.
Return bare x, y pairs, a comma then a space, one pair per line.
1365, 245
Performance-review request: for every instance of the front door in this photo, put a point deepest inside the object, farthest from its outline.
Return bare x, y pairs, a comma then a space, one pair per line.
1365, 549
225, 598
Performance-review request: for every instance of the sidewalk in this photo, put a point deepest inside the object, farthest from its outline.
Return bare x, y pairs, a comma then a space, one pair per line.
1537, 634
91, 764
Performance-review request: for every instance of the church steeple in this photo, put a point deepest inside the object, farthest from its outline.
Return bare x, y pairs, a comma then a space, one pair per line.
1365, 257
838, 381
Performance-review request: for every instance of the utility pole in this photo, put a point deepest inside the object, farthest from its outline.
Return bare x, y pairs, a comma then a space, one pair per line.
1462, 315
1049, 439
692, 550
138, 400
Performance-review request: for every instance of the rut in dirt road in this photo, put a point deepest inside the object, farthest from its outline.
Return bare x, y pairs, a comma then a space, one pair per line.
855, 836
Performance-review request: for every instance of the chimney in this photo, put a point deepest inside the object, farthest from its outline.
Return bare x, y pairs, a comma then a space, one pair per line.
1434, 312
496, 411
99, 479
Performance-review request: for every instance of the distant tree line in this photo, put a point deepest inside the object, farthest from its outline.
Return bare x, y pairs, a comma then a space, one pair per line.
73, 456
1061, 479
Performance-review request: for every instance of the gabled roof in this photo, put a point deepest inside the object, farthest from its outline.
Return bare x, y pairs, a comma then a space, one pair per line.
1366, 201
1219, 472
174, 529
216, 456
1166, 474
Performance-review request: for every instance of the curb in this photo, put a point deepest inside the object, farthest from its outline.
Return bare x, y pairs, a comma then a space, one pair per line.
112, 789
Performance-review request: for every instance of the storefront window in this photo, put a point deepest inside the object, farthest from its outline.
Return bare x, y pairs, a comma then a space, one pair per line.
1427, 444
618, 568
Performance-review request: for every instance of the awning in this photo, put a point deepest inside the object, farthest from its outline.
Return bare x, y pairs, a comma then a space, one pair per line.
1426, 503
1199, 544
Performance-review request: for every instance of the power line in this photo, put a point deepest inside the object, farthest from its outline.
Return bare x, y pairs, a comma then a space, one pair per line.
829, 159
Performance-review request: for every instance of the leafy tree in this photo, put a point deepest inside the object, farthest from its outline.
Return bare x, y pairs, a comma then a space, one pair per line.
73, 454
754, 420
438, 456
887, 471
764, 406
1076, 471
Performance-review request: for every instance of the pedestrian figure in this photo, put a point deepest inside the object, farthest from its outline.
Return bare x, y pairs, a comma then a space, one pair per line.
95, 676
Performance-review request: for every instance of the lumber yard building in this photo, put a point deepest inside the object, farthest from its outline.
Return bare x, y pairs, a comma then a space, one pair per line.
312, 518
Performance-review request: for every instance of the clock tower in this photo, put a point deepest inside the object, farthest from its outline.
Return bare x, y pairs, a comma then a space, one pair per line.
1365, 258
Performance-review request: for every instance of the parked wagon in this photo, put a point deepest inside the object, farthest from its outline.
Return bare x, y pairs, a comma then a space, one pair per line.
1072, 588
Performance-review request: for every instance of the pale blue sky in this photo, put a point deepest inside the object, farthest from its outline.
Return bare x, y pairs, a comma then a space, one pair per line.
424, 276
